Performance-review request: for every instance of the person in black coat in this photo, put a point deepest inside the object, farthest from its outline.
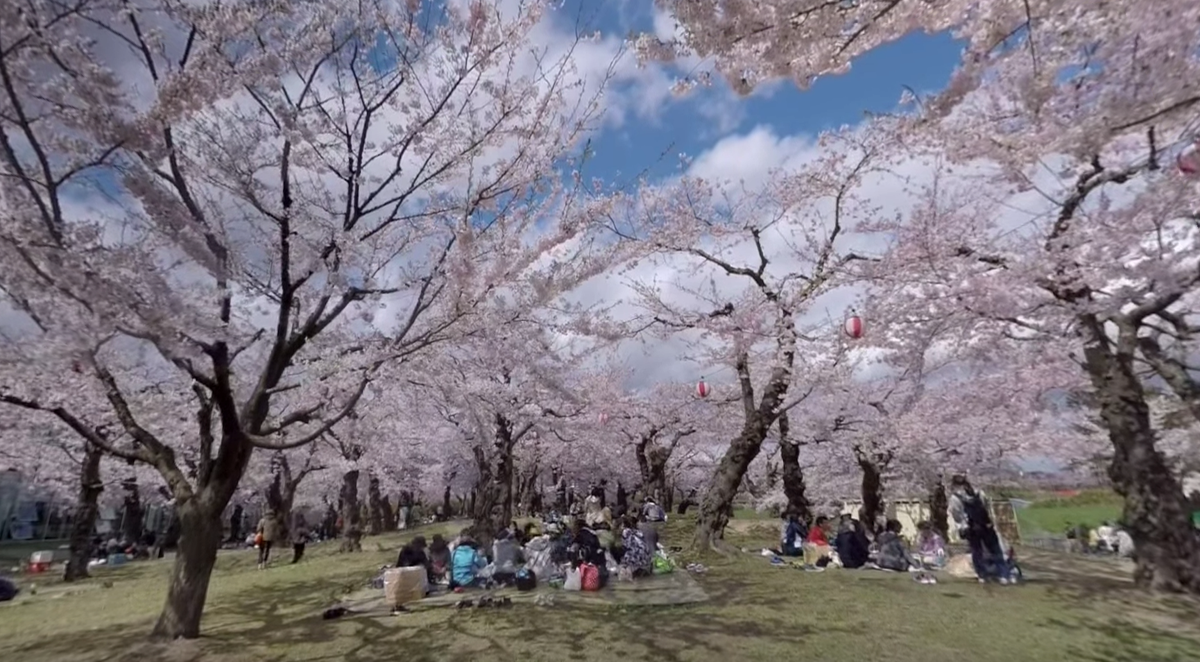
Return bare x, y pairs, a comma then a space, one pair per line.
851, 543
413, 555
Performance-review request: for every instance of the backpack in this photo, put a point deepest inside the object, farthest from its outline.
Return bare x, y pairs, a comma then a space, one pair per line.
526, 580
589, 576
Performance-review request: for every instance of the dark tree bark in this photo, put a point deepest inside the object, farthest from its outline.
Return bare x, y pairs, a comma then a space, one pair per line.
351, 513
195, 558
133, 517
717, 506
492, 508
1167, 555
279, 503
793, 475
86, 509
653, 458
939, 506
281, 493
329, 528
235, 523
622, 500
376, 506
872, 466
447, 511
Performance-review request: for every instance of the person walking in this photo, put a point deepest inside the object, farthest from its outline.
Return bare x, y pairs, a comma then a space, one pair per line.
972, 516
299, 539
268, 533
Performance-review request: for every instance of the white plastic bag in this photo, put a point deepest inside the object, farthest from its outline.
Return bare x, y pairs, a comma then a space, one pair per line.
574, 581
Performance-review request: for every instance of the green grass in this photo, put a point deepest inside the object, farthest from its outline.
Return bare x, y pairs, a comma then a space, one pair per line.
750, 513
1078, 611
1054, 520
1050, 514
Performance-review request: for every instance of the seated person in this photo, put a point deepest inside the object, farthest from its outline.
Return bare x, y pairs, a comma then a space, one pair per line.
439, 558
413, 554
604, 529
591, 510
816, 545
466, 562
585, 546
893, 552
851, 543
507, 557
931, 548
636, 555
791, 535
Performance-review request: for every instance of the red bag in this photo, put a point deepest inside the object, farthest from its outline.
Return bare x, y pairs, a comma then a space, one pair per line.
589, 576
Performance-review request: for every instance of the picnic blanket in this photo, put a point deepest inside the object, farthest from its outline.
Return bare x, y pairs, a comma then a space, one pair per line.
671, 589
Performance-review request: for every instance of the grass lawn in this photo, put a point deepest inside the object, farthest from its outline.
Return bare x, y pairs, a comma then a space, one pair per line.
1054, 519
756, 612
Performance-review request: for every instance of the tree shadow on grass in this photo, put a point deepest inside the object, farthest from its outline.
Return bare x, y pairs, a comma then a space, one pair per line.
1146, 627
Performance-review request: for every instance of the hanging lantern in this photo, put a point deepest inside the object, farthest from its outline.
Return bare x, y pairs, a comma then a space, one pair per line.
853, 326
1188, 160
702, 388
603, 418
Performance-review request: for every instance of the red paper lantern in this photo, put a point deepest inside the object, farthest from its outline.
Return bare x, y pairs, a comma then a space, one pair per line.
702, 388
1188, 160
854, 326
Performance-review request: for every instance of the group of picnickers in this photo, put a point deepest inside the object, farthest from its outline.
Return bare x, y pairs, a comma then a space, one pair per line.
847, 542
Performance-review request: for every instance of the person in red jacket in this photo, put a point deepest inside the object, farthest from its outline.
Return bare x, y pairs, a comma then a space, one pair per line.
816, 535
817, 544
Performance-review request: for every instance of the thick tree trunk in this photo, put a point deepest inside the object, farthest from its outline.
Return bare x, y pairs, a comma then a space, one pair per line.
86, 510
133, 517
235, 523
1167, 554
376, 506
194, 561
939, 507
446, 510
793, 476
872, 493
279, 503
329, 523
622, 500
351, 513
717, 506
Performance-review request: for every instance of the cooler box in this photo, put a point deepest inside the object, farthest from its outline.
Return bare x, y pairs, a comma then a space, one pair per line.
404, 585
41, 557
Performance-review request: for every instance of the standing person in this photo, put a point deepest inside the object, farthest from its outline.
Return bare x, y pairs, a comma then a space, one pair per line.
299, 539
969, 508
268, 528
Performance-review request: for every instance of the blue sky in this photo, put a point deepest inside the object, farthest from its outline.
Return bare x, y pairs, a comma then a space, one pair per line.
875, 83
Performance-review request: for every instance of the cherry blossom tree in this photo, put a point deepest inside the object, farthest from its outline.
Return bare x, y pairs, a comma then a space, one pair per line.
511, 385
256, 227
661, 425
1101, 99
775, 251
1078, 281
